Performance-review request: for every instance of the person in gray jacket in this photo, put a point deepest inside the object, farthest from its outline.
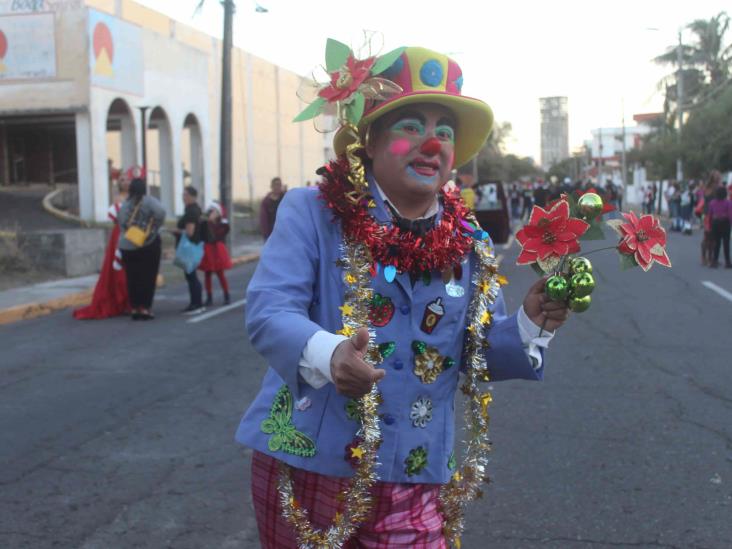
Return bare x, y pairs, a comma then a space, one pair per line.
141, 262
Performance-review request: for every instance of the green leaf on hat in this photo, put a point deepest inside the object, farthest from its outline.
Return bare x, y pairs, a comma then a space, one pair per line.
336, 54
311, 111
355, 108
386, 61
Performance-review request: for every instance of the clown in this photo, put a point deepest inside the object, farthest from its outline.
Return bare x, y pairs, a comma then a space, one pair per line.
370, 323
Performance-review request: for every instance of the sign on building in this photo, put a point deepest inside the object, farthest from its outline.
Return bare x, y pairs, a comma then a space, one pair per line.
27, 46
115, 54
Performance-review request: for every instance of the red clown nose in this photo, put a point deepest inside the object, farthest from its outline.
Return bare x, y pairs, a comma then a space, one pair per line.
431, 147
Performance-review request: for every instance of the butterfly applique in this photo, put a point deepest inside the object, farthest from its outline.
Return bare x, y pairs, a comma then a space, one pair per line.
279, 424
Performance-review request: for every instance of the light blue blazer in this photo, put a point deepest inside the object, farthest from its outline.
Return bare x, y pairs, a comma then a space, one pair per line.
295, 291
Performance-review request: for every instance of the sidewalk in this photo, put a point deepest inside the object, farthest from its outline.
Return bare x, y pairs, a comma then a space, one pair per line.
41, 299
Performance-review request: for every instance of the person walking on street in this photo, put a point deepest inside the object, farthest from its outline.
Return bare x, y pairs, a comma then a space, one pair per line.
268, 209
720, 213
216, 257
685, 204
315, 312
707, 245
190, 224
540, 194
144, 215
515, 196
528, 201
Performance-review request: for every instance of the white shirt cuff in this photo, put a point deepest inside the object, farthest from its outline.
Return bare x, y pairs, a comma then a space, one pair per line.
314, 364
529, 333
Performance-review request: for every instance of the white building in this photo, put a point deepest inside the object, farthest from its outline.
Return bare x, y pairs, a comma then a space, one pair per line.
74, 74
606, 149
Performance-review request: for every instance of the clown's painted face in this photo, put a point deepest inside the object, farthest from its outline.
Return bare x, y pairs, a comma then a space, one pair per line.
413, 149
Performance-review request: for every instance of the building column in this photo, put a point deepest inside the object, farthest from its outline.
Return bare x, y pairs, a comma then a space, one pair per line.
98, 184
85, 181
196, 155
176, 163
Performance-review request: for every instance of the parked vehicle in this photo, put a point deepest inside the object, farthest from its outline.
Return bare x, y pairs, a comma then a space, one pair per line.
491, 210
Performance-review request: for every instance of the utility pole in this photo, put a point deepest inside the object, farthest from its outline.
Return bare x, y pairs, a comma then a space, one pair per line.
680, 108
624, 165
599, 158
225, 122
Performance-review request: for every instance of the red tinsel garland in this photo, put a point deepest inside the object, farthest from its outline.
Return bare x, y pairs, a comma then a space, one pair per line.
442, 247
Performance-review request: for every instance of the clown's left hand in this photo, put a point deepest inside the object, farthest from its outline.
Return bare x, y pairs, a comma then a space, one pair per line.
538, 307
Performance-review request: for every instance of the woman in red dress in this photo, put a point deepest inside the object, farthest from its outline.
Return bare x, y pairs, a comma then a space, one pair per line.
110, 293
216, 258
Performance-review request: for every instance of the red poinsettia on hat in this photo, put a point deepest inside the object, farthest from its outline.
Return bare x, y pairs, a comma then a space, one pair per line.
345, 81
352, 82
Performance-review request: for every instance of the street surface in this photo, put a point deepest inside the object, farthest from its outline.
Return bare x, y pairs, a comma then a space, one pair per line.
116, 434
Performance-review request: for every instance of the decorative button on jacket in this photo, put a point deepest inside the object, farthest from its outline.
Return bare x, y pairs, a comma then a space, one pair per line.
300, 261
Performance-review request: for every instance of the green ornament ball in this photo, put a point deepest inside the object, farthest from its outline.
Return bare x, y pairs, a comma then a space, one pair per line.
557, 288
579, 304
580, 265
590, 205
582, 284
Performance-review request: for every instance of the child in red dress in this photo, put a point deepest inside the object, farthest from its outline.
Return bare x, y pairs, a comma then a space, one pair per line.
215, 255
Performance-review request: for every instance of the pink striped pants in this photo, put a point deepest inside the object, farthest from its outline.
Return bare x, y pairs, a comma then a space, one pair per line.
404, 515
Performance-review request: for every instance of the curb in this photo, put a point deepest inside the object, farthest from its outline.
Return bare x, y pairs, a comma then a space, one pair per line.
60, 214
34, 310
29, 311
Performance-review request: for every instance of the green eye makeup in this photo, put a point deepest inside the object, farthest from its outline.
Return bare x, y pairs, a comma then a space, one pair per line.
445, 133
410, 126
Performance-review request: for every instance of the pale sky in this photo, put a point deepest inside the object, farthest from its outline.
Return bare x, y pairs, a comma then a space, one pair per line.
598, 54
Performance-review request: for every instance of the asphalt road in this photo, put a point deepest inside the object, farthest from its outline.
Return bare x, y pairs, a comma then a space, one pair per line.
116, 434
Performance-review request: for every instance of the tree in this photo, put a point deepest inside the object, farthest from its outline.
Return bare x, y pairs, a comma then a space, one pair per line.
706, 142
569, 167
707, 63
494, 163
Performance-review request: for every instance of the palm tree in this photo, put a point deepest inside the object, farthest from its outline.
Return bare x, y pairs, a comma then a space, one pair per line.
706, 62
710, 52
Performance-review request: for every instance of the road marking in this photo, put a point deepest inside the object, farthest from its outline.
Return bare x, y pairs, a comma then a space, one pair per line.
721, 291
216, 312
508, 244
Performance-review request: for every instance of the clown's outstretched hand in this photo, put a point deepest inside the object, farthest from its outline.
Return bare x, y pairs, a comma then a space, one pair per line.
351, 375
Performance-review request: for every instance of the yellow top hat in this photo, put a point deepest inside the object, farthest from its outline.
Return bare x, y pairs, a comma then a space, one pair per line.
412, 75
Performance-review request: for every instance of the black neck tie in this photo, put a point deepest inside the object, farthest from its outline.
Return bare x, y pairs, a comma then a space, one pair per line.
417, 227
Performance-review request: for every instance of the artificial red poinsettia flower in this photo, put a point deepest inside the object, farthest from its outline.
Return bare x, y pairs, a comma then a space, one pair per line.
549, 234
644, 239
344, 82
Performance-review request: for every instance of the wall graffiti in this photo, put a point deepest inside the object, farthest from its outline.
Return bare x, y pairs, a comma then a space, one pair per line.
27, 46
115, 53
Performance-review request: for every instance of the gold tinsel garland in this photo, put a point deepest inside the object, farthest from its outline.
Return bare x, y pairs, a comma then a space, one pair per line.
464, 485
357, 499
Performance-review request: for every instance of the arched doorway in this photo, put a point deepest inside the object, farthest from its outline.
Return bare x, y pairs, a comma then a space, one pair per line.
160, 158
192, 155
121, 146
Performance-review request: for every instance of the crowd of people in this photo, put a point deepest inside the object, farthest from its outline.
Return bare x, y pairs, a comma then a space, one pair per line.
129, 274
524, 195
704, 204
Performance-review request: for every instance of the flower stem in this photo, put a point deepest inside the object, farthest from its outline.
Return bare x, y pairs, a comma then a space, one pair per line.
600, 250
